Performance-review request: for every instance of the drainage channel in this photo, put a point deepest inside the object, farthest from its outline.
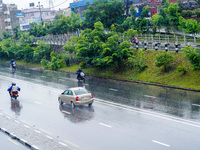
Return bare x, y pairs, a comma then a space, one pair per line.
29, 136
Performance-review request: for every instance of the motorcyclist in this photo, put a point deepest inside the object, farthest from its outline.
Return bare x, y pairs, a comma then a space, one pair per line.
13, 64
78, 72
13, 88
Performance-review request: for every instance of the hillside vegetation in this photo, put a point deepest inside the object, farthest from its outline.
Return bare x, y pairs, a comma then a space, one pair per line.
190, 79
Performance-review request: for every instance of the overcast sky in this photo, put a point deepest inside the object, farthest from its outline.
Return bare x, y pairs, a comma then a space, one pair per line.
24, 4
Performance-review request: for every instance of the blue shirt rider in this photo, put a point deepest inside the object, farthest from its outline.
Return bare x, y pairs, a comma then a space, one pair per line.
13, 88
12, 63
78, 72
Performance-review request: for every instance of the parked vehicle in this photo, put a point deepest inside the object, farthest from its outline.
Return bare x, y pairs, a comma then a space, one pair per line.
76, 96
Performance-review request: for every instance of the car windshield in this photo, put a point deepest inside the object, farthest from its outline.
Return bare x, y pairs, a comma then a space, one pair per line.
80, 91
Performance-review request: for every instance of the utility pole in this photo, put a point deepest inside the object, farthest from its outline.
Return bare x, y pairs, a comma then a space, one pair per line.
51, 6
40, 10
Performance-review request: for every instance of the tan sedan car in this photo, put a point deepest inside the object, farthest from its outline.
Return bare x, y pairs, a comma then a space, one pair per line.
76, 96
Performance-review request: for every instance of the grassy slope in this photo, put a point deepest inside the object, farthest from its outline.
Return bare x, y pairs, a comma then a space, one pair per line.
154, 74
151, 74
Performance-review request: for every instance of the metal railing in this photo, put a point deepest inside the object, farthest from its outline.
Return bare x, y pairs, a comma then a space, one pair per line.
148, 41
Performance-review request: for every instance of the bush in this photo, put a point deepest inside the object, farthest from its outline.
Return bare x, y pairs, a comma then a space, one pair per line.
194, 56
41, 51
164, 59
28, 53
182, 69
137, 61
82, 64
57, 61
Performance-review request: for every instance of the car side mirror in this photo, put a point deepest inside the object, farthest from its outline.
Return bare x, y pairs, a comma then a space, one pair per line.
62, 93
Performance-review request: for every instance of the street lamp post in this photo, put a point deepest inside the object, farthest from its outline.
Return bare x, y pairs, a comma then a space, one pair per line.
40, 10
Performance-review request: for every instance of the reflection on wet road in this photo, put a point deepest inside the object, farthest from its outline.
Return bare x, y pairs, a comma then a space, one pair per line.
185, 104
124, 116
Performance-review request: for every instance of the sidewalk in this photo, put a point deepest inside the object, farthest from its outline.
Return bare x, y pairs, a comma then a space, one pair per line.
29, 136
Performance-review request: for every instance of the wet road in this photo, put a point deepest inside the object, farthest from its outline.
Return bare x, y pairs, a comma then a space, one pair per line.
124, 116
7, 143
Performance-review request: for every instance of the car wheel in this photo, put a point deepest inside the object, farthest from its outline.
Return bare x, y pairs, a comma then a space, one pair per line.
60, 101
72, 104
90, 105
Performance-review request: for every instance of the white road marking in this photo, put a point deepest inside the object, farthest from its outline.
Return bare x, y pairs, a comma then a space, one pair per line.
17, 121
161, 143
105, 125
66, 112
196, 105
113, 89
26, 126
62, 144
26, 73
49, 137
150, 113
37, 131
149, 96
71, 143
37, 102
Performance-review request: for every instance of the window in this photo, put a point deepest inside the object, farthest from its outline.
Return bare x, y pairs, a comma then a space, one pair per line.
65, 93
69, 93
80, 91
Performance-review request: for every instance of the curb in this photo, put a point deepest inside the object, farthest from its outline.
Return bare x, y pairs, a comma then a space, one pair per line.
22, 141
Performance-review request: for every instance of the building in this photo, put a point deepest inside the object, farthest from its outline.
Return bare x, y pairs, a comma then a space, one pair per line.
8, 17
153, 4
65, 11
79, 6
35, 15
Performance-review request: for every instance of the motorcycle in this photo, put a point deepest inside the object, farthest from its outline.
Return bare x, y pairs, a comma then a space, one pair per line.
13, 67
81, 76
14, 95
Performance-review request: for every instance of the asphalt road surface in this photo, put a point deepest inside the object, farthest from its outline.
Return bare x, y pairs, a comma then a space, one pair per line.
108, 124
7, 143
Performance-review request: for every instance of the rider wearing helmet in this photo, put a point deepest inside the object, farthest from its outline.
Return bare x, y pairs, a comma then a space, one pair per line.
78, 72
13, 64
13, 88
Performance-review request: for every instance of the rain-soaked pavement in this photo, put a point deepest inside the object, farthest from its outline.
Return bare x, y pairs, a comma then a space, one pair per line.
142, 116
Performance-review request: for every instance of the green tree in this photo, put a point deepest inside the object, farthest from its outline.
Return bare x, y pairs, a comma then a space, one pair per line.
190, 26
37, 30
194, 56
16, 32
57, 61
108, 12
164, 59
5, 34
158, 21
173, 15
41, 51
71, 46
